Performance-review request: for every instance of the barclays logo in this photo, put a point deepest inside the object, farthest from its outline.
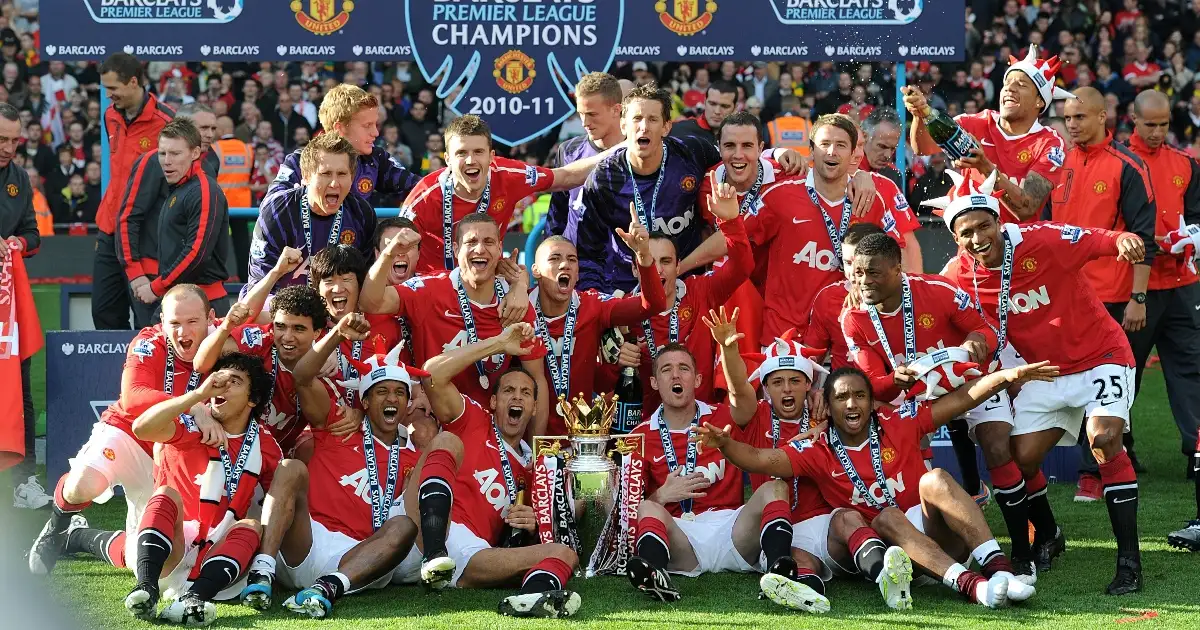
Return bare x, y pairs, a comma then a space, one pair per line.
164, 11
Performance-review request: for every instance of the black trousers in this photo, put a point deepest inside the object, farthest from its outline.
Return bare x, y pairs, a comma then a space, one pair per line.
110, 288
28, 466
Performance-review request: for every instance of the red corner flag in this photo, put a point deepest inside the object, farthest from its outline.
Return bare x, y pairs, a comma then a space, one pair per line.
20, 338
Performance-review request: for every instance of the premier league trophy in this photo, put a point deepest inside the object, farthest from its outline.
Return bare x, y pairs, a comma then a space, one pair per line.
592, 472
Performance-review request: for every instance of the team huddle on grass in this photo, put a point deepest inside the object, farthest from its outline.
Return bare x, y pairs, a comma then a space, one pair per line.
292, 444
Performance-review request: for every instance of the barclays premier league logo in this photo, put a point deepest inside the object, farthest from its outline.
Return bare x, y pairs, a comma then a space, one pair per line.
847, 11
164, 11
512, 63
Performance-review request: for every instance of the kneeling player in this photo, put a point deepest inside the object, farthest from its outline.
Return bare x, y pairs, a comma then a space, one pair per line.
693, 520
476, 466
935, 521
340, 527
195, 539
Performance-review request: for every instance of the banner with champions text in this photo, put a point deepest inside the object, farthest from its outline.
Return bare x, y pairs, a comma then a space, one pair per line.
83, 377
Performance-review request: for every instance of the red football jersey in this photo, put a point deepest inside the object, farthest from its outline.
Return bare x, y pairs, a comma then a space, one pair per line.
431, 305
509, 181
757, 433
183, 462
696, 295
900, 453
339, 490
824, 330
725, 493
1040, 150
385, 334
943, 316
144, 381
480, 494
772, 173
596, 313
1053, 315
800, 254
283, 419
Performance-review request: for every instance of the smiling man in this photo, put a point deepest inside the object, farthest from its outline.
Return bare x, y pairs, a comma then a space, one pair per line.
320, 214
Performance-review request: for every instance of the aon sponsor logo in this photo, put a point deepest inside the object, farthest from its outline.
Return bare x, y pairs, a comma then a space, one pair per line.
461, 340
491, 486
714, 471
361, 484
675, 225
1032, 300
822, 259
896, 486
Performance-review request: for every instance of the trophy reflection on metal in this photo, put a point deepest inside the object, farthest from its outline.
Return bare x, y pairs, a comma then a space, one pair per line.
591, 476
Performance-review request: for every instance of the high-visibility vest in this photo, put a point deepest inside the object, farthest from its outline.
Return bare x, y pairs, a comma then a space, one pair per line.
237, 160
791, 132
41, 210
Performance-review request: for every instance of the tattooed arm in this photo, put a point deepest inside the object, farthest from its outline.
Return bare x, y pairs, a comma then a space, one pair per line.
1027, 200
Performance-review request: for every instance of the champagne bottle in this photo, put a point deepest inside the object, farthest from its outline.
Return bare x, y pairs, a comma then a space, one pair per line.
515, 536
948, 135
629, 401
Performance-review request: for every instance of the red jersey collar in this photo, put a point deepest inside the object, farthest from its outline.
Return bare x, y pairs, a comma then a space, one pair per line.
1092, 149
1139, 145
191, 172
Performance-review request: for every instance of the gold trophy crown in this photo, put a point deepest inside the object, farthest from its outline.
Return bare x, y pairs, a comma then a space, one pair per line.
585, 420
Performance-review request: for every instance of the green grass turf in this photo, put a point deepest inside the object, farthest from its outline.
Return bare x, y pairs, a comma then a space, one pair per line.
1068, 597
47, 297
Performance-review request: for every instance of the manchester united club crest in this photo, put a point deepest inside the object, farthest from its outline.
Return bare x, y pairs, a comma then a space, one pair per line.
347, 237
12, 190
688, 184
1099, 187
513, 71
110, 455
171, 203
685, 17
926, 320
1023, 156
497, 206
1178, 181
888, 455
685, 313
364, 185
322, 16
1029, 264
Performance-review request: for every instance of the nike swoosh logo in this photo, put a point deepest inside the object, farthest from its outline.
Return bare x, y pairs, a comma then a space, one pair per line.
229, 573
659, 458
986, 143
799, 221
146, 543
1198, 307
454, 314
1124, 500
837, 474
1013, 504
492, 446
987, 408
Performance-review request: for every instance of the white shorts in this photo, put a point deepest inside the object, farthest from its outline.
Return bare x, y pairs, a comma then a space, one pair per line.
711, 537
325, 555
1105, 390
916, 517
812, 535
176, 583
998, 408
461, 545
121, 461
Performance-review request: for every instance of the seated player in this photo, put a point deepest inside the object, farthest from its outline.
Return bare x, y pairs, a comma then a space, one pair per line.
928, 515
570, 323
823, 336
158, 365
451, 310
467, 484
693, 519
1049, 312
340, 528
195, 539
298, 314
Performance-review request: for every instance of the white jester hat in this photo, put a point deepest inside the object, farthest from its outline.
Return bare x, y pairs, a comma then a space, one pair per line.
1042, 72
964, 195
382, 367
787, 354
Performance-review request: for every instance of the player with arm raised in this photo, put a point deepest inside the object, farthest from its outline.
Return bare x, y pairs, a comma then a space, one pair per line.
1027, 156
870, 461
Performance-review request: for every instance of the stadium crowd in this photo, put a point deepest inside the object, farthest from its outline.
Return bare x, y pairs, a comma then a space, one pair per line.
340, 307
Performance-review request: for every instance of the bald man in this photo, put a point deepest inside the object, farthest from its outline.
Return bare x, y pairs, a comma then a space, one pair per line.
1104, 185
1172, 323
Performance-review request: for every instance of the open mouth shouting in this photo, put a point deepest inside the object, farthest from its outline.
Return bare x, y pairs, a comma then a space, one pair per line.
643, 142
738, 169
787, 403
391, 415
338, 304
854, 420
677, 389
981, 249
332, 200
400, 268
478, 264
514, 414
473, 174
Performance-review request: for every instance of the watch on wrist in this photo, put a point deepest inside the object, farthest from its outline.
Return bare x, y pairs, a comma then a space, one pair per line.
1140, 298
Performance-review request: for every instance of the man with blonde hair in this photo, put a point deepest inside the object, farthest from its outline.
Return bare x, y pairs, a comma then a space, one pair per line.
351, 112
319, 213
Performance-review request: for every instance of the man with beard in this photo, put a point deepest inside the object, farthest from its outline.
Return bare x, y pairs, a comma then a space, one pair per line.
570, 322
158, 365
340, 527
467, 486
319, 214
476, 181
1011, 142
451, 310
195, 538
928, 515
1029, 280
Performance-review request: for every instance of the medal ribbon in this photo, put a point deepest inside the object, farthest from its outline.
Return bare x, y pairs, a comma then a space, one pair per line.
510, 482
169, 386
448, 213
233, 471
664, 434
835, 233
381, 498
464, 309
1006, 271
752, 194
908, 407
306, 222
645, 217
672, 329
348, 371
559, 363
804, 425
835, 442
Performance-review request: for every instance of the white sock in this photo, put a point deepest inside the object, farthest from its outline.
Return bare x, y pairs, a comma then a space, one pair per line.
343, 579
950, 579
263, 563
984, 552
